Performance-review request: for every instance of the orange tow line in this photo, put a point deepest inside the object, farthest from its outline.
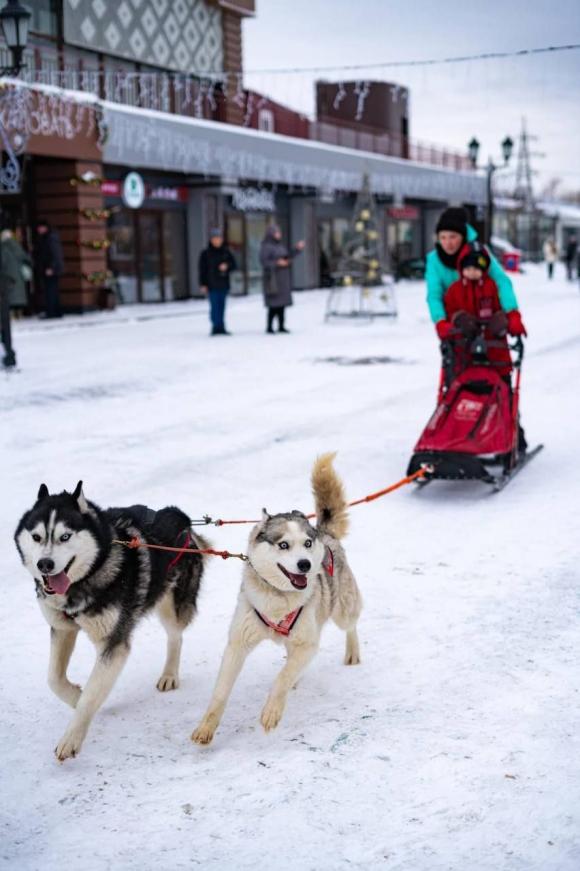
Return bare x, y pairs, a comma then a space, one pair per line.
225, 554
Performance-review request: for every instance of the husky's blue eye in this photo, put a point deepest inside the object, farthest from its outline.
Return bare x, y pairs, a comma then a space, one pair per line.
308, 543
65, 536
283, 545
36, 536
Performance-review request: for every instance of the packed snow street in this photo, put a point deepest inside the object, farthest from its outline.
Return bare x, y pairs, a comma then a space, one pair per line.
453, 745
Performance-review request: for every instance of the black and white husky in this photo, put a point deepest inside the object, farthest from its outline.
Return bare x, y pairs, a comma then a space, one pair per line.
86, 581
296, 578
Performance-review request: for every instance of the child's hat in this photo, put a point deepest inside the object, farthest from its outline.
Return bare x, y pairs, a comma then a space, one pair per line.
474, 254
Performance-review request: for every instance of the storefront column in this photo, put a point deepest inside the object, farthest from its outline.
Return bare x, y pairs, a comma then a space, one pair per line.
204, 209
303, 226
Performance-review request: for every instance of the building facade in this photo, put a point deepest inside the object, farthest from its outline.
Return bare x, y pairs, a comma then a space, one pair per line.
133, 158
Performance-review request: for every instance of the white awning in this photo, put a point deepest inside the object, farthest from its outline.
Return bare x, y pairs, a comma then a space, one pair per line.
145, 139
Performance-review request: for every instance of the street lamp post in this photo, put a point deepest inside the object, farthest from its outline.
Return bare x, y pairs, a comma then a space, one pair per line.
14, 20
473, 150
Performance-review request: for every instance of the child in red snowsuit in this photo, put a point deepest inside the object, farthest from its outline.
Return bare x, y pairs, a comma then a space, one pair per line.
474, 297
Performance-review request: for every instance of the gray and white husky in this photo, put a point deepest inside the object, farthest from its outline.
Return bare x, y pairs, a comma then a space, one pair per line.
86, 581
296, 578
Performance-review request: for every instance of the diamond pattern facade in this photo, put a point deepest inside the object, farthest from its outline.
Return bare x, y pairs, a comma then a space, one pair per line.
185, 35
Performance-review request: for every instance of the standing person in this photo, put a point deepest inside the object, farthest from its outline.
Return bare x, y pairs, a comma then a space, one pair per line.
49, 265
215, 264
17, 269
550, 255
571, 253
452, 232
275, 259
12, 290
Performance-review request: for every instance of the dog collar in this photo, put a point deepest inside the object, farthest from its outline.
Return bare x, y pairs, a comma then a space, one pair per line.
285, 625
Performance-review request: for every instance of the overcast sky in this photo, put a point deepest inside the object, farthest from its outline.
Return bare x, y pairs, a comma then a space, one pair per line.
449, 104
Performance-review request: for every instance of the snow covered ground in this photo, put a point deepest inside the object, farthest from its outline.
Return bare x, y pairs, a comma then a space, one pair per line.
454, 745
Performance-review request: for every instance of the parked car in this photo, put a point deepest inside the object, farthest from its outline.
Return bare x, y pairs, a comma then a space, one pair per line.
414, 267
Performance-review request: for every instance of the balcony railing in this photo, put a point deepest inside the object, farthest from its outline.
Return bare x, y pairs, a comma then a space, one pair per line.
125, 82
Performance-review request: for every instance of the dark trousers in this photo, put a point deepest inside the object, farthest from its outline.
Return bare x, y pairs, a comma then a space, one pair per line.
9, 358
217, 308
51, 297
274, 312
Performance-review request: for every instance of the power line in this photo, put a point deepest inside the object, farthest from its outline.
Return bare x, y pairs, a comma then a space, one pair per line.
491, 55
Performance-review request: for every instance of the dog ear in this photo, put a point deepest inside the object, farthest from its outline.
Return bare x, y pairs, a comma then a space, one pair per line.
265, 516
79, 498
42, 492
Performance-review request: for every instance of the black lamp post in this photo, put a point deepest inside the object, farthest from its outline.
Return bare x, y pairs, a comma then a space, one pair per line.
473, 150
14, 19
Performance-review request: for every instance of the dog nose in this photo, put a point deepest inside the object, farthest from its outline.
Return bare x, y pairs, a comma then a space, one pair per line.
303, 565
46, 566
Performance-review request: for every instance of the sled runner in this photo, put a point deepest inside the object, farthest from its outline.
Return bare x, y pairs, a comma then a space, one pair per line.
474, 433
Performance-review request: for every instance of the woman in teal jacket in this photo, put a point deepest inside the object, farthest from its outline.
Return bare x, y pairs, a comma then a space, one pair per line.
452, 233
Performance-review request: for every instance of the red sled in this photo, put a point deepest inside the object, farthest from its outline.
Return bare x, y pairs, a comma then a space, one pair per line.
474, 432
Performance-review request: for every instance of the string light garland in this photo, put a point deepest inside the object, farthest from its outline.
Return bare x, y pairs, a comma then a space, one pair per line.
490, 55
95, 244
98, 277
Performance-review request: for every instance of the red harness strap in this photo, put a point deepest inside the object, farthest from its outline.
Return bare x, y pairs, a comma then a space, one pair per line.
328, 562
186, 544
285, 625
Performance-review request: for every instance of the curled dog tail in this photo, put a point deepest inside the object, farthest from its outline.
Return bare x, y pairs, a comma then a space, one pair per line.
329, 498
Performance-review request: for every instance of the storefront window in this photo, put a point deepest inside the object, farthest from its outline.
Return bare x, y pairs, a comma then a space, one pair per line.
255, 232
174, 266
150, 256
121, 233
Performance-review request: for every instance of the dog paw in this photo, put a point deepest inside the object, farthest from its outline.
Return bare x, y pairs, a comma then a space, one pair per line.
204, 732
69, 745
352, 659
167, 682
271, 715
71, 694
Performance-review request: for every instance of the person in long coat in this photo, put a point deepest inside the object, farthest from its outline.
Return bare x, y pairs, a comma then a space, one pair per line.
49, 265
16, 269
275, 259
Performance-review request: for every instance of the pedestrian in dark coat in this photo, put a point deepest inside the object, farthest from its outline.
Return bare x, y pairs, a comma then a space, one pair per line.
49, 266
275, 259
215, 264
571, 252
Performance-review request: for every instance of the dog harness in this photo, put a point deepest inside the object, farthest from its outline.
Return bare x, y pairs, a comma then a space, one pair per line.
285, 626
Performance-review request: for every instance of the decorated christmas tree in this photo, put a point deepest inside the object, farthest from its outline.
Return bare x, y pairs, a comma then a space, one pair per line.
360, 268
360, 263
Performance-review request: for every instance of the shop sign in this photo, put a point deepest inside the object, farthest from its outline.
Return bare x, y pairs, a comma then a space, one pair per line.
167, 193
253, 200
133, 190
403, 213
111, 188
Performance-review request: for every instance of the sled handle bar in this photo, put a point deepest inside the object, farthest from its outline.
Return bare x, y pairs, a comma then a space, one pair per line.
516, 346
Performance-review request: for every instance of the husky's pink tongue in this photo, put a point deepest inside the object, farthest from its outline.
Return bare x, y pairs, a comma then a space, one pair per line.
59, 583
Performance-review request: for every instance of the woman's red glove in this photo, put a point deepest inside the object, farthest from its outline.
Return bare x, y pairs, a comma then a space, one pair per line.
444, 329
515, 324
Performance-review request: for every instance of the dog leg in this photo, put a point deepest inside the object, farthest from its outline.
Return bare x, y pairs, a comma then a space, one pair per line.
62, 644
169, 679
352, 652
103, 676
298, 658
233, 659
